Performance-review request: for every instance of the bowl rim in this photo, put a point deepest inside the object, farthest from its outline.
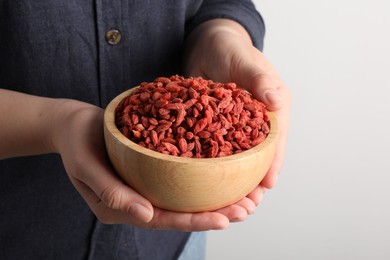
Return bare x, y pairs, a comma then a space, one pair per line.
110, 126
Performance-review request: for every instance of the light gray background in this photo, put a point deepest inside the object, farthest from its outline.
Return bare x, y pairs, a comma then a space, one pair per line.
332, 200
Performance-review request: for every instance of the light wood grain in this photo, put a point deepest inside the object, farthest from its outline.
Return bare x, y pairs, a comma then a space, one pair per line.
187, 184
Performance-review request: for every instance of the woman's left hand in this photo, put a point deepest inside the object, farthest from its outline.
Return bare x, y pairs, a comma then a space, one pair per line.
222, 50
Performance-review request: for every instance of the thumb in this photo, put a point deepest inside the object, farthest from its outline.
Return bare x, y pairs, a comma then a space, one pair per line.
259, 77
121, 197
109, 198
266, 88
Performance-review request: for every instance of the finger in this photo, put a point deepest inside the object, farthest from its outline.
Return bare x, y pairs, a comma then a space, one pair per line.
247, 204
252, 71
259, 77
104, 213
234, 212
256, 195
271, 177
273, 173
202, 221
162, 219
267, 88
111, 191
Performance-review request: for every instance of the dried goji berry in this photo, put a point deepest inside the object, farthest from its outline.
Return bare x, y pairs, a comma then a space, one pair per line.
200, 125
182, 145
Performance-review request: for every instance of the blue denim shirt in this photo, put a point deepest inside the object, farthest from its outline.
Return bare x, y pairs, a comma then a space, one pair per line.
59, 49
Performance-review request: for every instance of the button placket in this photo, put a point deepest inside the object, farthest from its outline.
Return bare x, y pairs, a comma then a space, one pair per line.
112, 21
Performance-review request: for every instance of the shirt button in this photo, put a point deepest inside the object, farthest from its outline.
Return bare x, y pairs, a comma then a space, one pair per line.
113, 37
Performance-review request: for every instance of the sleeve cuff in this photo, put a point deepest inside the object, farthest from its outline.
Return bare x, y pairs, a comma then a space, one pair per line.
243, 12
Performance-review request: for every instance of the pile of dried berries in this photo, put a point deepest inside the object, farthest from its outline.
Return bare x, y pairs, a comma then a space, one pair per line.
192, 117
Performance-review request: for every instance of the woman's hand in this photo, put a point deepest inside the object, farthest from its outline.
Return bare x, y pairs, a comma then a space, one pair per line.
78, 137
222, 50
33, 125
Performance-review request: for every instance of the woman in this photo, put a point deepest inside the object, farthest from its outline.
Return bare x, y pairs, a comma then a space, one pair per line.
61, 62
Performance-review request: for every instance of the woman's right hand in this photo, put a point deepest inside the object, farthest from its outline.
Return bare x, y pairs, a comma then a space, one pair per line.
32, 125
78, 138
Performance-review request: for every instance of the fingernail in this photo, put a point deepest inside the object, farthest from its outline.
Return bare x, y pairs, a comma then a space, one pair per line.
251, 210
272, 96
141, 212
223, 224
239, 218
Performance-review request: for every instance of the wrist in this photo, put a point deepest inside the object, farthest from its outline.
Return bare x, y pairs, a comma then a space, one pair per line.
68, 118
212, 45
215, 26
29, 123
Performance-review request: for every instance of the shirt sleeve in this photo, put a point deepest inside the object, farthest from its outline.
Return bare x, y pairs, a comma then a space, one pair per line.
241, 11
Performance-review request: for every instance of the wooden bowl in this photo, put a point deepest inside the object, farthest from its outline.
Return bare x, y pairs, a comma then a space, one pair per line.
186, 184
